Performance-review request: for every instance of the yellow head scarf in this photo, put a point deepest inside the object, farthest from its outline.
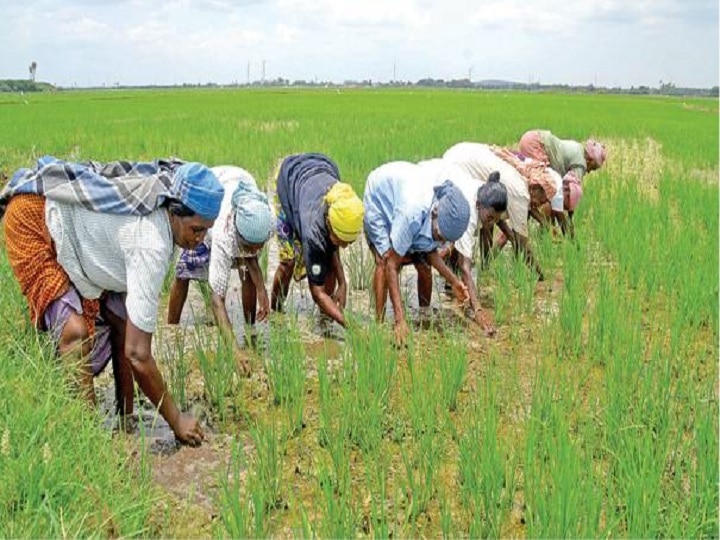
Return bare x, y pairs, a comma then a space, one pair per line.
345, 211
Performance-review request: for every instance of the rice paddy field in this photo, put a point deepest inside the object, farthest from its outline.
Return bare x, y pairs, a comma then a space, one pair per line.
592, 413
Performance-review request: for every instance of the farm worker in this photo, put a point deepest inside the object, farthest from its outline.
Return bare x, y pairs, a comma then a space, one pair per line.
487, 201
407, 220
316, 215
243, 226
545, 185
570, 159
479, 160
90, 245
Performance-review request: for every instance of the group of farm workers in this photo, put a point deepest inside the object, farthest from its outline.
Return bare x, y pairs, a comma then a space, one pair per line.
91, 243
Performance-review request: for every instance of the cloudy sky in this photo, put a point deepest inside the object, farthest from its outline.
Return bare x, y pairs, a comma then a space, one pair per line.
132, 42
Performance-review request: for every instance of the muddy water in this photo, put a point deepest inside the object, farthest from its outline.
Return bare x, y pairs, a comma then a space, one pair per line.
316, 331
190, 475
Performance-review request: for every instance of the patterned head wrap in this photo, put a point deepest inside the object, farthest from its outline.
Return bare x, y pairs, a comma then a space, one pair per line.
576, 192
596, 151
253, 216
197, 188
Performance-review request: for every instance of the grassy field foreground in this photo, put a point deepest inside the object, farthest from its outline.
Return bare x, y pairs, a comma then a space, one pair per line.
593, 413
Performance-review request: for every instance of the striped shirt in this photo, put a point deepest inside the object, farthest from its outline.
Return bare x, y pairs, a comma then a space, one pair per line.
113, 252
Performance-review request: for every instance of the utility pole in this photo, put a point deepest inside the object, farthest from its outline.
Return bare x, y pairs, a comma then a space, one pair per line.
394, 71
263, 71
248, 72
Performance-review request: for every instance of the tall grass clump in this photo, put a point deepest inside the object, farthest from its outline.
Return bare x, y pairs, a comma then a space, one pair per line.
573, 301
485, 473
62, 474
368, 375
560, 486
173, 357
423, 454
219, 368
241, 516
285, 367
452, 362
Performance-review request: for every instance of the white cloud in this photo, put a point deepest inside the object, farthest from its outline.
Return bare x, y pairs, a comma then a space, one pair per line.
615, 41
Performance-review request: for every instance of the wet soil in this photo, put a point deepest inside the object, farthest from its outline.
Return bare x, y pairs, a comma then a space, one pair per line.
189, 476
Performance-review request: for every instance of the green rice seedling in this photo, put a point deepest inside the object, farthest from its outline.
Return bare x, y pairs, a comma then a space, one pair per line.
234, 497
452, 360
264, 259
421, 461
559, 485
334, 428
285, 366
339, 517
376, 476
501, 290
702, 515
572, 303
173, 355
306, 529
370, 365
524, 280
421, 465
446, 523
486, 486
219, 370
422, 393
325, 415
267, 465
360, 264
605, 322
638, 439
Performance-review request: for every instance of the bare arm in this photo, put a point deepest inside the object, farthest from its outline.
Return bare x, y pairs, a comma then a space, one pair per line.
257, 278
138, 347
542, 214
459, 288
393, 262
566, 223
222, 319
340, 296
326, 303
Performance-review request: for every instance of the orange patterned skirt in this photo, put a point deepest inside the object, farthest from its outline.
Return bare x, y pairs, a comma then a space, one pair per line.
33, 259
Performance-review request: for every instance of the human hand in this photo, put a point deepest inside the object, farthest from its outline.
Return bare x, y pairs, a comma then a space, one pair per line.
241, 359
340, 295
263, 307
461, 292
484, 320
188, 430
401, 333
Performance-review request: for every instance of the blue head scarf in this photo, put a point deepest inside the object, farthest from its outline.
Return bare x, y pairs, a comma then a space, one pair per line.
453, 211
197, 188
253, 216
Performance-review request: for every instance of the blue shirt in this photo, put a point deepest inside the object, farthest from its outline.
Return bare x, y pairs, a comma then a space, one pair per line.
398, 201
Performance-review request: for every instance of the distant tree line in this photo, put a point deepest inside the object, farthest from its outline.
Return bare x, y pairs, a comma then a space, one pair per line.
24, 85
664, 88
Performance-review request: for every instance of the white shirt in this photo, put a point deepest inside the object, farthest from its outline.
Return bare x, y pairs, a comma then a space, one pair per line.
479, 161
225, 248
110, 252
557, 202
